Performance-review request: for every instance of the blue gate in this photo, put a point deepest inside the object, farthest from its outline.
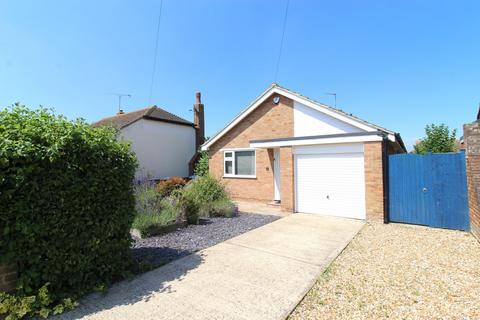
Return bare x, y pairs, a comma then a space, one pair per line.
429, 190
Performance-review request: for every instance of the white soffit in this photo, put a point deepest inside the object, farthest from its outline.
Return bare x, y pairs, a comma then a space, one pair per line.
306, 142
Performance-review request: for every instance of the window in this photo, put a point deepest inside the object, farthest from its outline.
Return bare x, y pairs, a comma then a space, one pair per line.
239, 163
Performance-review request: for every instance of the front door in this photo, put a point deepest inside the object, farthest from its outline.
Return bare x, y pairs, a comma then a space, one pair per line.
276, 174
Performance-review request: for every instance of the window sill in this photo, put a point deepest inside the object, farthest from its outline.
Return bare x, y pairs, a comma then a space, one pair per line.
232, 176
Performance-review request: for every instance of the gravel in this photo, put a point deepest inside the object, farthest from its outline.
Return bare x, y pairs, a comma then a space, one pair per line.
399, 272
210, 231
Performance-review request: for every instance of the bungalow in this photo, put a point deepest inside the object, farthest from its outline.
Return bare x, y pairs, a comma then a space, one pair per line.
305, 156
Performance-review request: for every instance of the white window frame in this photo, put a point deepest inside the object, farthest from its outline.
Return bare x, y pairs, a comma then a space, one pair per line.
232, 159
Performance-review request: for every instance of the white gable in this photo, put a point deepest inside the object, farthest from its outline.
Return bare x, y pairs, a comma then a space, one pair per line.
310, 122
163, 149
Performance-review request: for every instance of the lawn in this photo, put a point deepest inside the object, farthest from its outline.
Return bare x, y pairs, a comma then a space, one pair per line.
399, 272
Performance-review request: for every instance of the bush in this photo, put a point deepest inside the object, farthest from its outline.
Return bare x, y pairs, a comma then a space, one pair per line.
166, 187
201, 168
147, 199
147, 223
38, 305
66, 203
205, 193
222, 208
186, 205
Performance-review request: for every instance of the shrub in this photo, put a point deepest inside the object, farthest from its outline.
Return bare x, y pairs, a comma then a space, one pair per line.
147, 199
204, 193
147, 223
186, 205
222, 208
201, 168
38, 305
66, 203
166, 187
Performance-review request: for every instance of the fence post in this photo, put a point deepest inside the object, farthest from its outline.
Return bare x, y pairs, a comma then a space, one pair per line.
8, 277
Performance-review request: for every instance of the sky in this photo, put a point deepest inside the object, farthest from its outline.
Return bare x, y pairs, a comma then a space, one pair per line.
398, 64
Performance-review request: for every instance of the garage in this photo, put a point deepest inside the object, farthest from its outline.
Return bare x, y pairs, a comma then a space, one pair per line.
330, 180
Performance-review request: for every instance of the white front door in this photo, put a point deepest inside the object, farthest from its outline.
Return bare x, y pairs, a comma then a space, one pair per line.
276, 174
330, 181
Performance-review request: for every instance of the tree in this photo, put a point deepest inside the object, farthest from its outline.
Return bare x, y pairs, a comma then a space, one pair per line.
201, 168
438, 139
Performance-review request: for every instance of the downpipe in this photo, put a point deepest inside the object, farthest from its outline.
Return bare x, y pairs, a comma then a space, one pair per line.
386, 181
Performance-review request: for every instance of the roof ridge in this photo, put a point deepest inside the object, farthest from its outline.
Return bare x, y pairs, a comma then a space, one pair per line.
171, 113
150, 110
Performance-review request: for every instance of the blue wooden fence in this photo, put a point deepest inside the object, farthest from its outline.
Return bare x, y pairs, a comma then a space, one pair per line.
429, 190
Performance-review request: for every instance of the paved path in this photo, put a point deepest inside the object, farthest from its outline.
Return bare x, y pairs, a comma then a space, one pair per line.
261, 274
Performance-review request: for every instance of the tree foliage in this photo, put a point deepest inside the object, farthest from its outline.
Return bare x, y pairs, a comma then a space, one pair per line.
201, 168
438, 139
66, 203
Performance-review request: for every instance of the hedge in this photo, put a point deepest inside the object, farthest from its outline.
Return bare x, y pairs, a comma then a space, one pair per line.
66, 202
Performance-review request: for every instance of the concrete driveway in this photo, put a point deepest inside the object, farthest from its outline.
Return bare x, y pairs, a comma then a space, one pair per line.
262, 274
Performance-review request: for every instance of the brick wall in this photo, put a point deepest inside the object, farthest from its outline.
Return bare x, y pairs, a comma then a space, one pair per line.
268, 121
373, 180
286, 179
471, 133
8, 278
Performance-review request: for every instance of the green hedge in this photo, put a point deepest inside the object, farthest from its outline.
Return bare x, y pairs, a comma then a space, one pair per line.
66, 202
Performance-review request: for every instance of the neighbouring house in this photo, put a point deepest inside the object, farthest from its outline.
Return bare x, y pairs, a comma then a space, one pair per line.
166, 145
305, 156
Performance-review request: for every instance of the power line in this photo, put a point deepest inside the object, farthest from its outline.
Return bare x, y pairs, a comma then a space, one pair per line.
281, 42
155, 52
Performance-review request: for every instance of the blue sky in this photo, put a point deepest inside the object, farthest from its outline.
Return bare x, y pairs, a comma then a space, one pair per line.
399, 64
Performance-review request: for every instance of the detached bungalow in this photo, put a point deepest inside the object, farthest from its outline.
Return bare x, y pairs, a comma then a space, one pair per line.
287, 149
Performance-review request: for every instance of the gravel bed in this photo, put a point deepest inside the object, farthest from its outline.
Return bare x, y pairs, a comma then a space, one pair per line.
210, 231
399, 272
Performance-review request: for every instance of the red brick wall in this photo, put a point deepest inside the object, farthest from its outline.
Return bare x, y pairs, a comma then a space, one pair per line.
268, 121
286, 179
471, 133
374, 180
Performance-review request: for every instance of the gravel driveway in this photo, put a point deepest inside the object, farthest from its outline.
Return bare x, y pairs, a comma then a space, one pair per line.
399, 272
174, 245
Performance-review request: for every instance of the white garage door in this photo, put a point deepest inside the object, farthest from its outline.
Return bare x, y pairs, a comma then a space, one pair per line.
330, 180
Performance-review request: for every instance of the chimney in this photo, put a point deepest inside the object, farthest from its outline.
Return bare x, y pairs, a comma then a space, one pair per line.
199, 121
478, 114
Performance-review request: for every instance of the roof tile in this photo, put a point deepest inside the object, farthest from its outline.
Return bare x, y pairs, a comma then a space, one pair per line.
152, 113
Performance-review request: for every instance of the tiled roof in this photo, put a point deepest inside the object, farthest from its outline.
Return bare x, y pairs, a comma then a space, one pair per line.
151, 113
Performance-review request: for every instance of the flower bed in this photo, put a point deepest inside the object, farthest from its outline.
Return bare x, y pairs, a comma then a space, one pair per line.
174, 203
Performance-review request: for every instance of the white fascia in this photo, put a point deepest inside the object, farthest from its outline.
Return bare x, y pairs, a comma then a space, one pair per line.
306, 142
